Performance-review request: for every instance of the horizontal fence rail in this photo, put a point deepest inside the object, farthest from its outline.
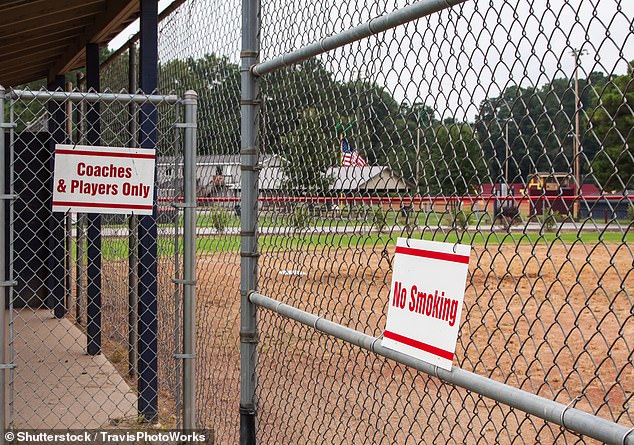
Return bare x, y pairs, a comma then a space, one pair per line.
376, 25
92, 97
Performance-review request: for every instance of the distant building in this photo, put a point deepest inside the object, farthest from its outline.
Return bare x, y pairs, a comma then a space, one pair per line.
377, 180
219, 176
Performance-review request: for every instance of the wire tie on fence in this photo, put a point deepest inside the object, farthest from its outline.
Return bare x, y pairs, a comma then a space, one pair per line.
250, 168
246, 411
373, 344
250, 102
625, 435
316, 321
185, 356
248, 337
570, 405
247, 151
182, 281
454, 247
249, 254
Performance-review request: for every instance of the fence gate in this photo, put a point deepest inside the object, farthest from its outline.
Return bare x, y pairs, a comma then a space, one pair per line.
99, 317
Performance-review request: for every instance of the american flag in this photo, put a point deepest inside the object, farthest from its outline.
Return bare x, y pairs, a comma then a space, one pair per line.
350, 157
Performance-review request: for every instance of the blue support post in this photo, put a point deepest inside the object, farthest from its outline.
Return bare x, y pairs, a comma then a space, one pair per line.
147, 364
56, 233
93, 137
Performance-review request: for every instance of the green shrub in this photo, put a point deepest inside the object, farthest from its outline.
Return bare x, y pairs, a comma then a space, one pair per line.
461, 219
379, 218
551, 218
219, 220
300, 218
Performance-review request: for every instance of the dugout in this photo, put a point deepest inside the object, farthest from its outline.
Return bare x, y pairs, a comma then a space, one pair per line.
41, 42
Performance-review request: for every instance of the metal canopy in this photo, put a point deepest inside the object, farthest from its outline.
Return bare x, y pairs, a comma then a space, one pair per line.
42, 38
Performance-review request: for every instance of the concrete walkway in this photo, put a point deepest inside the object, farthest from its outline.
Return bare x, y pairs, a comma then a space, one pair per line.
56, 384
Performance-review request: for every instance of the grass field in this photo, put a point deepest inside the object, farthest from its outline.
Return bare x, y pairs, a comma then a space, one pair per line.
115, 248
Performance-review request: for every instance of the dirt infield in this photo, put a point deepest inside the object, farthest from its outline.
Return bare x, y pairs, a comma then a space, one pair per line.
551, 319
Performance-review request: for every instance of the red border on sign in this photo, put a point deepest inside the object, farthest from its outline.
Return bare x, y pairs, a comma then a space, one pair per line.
62, 151
452, 257
419, 345
105, 205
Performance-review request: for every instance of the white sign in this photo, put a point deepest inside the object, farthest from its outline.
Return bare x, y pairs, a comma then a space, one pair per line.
428, 284
91, 179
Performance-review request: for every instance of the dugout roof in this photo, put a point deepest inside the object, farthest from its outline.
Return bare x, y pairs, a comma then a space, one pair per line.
42, 38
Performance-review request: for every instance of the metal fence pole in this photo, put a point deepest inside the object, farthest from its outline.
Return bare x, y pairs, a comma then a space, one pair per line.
56, 222
80, 225
189, 263
3, 275
147, 364
68, 256
133, 235
93, 137
248, 218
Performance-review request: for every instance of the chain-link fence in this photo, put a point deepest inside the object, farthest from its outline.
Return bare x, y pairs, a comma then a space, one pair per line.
506, 125
81, 351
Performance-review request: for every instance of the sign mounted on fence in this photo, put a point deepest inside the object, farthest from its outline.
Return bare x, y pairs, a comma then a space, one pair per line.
428, 284
91, 179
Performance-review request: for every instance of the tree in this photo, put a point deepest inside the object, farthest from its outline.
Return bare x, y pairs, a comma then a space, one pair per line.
217, 82
541, 127
613, 121
307, 152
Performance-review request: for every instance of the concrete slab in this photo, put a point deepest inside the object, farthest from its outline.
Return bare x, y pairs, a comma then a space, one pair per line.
56, 384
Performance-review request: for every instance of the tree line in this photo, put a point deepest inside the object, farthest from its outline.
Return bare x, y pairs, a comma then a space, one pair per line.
305, 108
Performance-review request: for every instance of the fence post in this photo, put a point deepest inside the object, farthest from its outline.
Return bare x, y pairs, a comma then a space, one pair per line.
3, 275
133, 235
93, 270
248, 218
80, 225
189, 263
56, 277
147, 344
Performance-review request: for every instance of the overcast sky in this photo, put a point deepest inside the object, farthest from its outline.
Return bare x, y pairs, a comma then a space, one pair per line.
451, 61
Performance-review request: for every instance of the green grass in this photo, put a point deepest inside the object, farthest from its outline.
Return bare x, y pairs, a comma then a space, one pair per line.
342, 218
114, 249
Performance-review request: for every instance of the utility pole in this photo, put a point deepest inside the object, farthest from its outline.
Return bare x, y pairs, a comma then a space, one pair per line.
417, 151
576, 146
506, 160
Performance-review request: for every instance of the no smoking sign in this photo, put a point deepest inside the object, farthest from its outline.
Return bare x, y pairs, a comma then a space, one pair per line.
426, 297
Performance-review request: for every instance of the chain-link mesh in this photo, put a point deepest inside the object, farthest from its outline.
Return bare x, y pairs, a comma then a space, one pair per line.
204, 58
506, 125
71, 351
474, 125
